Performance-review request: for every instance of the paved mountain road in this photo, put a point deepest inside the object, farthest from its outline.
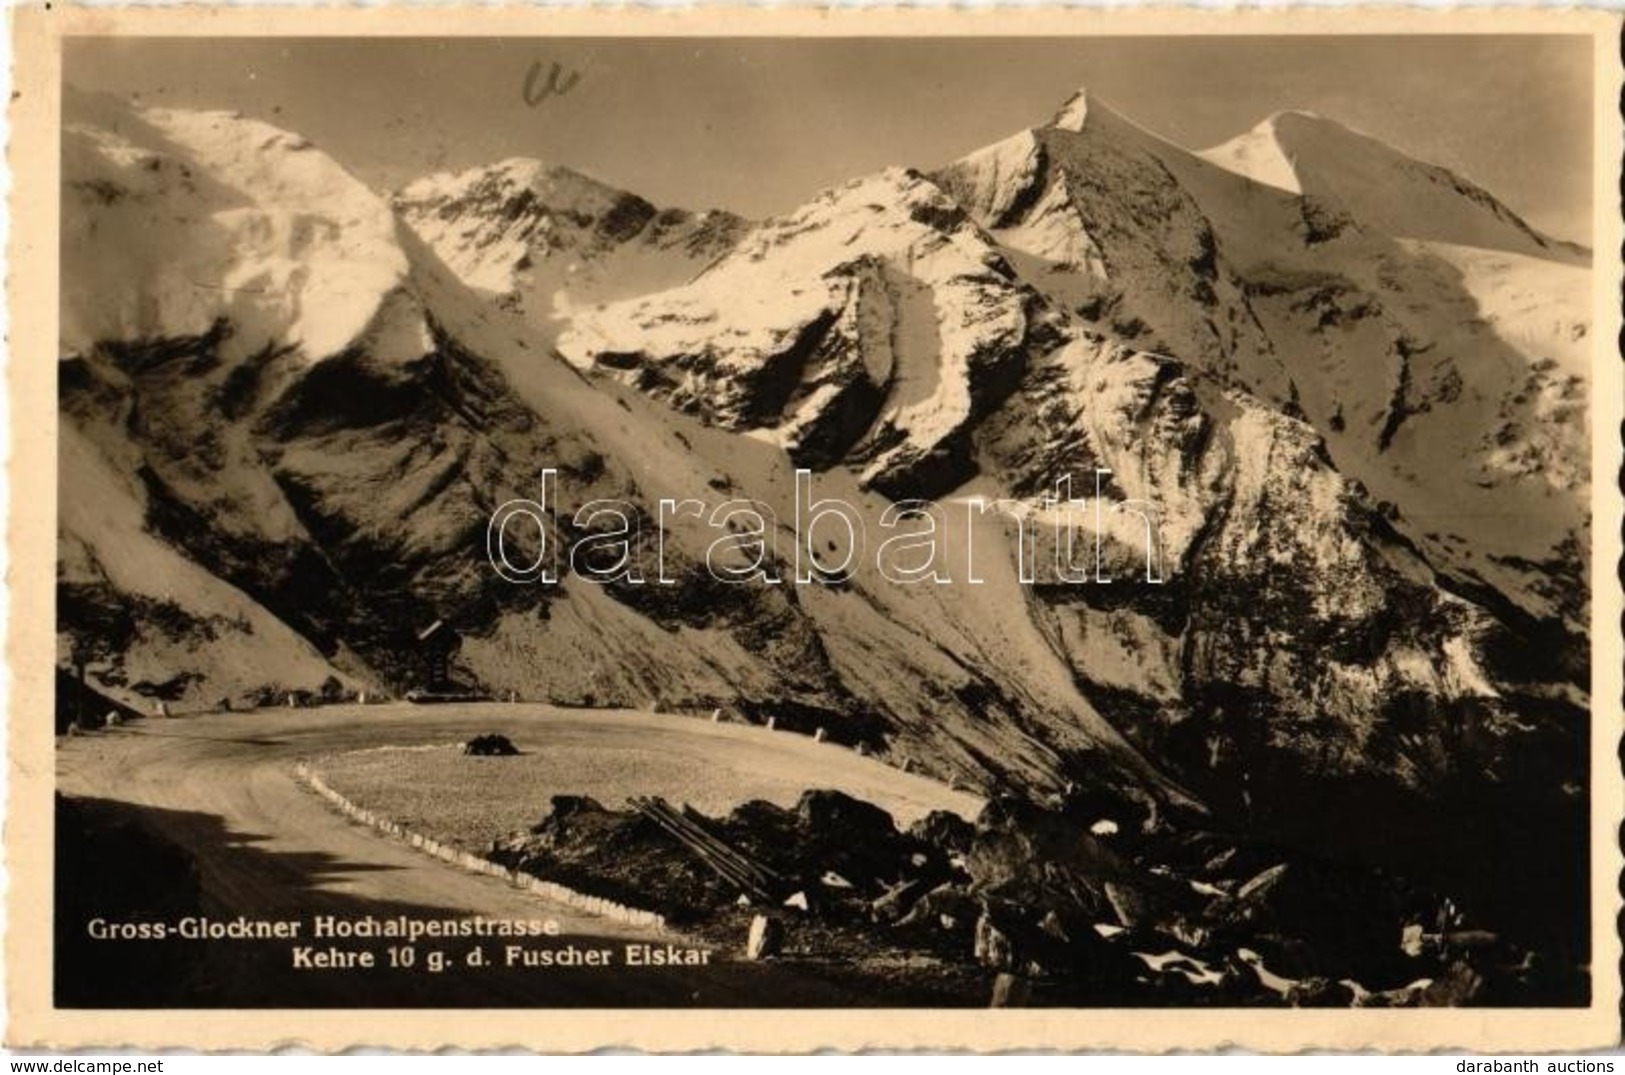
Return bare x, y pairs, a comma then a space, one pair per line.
222, 787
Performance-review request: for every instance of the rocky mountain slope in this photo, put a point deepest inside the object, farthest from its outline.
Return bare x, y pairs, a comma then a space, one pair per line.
1269, 370
1445, 397
1336, 474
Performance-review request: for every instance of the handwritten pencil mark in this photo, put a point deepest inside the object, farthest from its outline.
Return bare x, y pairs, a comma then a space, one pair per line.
558, 83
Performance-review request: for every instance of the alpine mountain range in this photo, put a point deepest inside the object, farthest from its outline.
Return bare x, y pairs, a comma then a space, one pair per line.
1354, 385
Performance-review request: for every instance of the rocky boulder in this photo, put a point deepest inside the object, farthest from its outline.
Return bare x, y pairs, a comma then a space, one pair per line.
490, 746
947, 832
1317, 919
853, 839
947, 909
1043, 859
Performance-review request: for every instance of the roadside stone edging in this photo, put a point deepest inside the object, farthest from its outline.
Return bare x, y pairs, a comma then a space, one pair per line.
593, 905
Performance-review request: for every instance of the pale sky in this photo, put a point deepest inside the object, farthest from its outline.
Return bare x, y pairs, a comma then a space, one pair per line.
758, 126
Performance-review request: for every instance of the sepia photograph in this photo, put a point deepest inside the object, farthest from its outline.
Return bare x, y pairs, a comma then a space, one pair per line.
605, 521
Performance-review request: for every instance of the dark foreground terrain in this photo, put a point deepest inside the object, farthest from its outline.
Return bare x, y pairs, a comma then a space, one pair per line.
1094, 900
1087, 903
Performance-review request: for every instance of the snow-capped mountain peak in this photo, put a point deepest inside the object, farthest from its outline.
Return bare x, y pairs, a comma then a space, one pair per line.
1379, 185
1074, 113
513, 187
1258, 155
546, 239
180, 220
